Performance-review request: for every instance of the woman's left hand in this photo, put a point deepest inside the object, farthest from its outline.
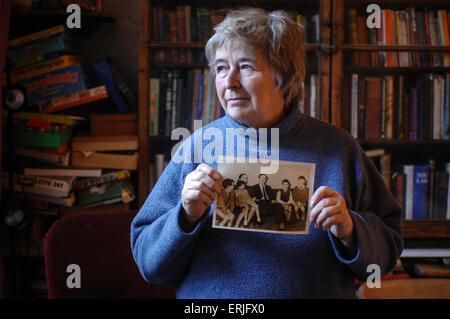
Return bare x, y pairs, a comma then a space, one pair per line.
329, 211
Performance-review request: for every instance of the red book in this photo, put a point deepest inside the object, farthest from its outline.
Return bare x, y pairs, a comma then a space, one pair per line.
427, 32
415, 35
388, 36
373, 108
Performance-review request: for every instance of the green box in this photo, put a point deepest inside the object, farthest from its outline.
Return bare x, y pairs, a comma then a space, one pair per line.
41, 139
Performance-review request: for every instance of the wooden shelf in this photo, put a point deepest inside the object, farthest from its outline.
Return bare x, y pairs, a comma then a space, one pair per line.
384, 3
402, 142
395, 70
426, 228
21, 19
372, 47
201, 45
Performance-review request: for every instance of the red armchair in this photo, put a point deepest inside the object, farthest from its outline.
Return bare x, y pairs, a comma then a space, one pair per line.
99, 243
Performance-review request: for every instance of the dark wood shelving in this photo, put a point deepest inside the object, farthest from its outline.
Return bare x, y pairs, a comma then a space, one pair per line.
201, 45
395, 70
433, 228
21, 19
402, 142
373, 47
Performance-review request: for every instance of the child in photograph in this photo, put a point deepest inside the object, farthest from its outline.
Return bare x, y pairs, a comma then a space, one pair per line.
249, 206
300, 195
226, 203
284, 197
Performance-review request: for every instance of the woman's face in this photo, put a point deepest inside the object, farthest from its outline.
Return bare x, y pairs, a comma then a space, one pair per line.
246, 88
244, 178
285, 186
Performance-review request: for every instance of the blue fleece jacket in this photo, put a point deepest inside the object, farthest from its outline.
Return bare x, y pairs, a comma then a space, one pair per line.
219, 263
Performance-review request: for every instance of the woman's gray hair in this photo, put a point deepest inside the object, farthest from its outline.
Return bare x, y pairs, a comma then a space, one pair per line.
279, 38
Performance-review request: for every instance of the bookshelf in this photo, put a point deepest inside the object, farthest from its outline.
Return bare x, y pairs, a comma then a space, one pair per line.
333, 69
403, 150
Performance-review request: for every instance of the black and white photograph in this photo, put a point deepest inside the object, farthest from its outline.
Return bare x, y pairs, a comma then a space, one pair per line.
256, 201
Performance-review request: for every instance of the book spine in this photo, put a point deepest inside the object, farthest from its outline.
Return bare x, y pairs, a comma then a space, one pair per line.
363, 38
154, 106
383, 109
388, 36
445, 33
428, 36
408, 170
446, 110
438, 107
447, 169
354, 106
431, 187
353, 33
420, 199
415, 35
195, 96
373, 108
361, 106
381, 41
413, 114
420, 21
389, 128
400, 108
402, 37
169, 100
395, 55
200, 97
440, 195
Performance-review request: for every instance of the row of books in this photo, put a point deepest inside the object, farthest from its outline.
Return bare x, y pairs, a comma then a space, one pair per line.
397, 107
401, 27
423, 191
178, 97
184, 23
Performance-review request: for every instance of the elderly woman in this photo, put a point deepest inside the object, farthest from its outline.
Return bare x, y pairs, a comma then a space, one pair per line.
258, 60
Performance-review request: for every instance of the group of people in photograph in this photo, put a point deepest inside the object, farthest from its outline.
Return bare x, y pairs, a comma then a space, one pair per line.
242, 205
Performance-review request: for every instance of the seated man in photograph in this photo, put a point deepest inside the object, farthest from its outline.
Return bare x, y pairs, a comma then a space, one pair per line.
266, 200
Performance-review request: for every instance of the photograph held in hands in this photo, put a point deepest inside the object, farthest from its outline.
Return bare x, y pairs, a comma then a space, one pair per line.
255, 201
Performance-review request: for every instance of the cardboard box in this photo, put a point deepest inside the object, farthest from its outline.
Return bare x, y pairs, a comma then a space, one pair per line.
113, 124
56, 83
112, 152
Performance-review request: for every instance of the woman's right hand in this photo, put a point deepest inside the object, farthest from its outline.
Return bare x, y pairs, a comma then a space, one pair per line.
200, 189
